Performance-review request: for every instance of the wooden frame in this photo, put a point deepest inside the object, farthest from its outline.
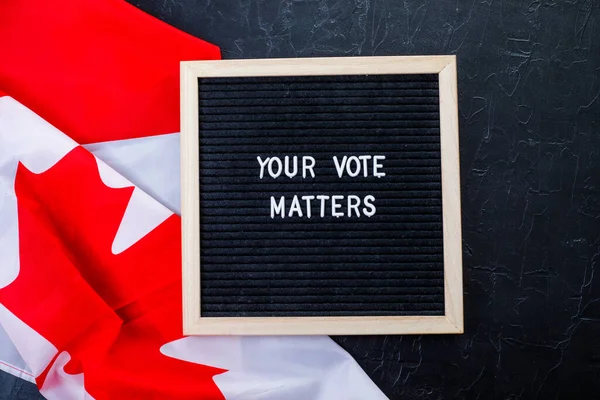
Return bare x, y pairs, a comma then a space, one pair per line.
451, 322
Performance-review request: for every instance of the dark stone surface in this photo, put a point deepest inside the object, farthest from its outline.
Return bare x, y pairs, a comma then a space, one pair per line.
529, 101
13, 388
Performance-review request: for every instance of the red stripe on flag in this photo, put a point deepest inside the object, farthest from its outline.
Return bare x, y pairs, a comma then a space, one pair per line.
96, 70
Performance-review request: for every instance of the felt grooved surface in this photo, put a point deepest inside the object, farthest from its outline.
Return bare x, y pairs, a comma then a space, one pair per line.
320, 313
387, 264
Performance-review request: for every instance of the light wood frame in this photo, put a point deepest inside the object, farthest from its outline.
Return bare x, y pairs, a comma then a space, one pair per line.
451, 322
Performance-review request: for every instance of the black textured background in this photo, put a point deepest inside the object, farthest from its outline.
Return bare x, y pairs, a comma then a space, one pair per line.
529, 104
253, 264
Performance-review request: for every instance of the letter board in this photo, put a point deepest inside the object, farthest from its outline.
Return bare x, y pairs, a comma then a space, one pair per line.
321, 196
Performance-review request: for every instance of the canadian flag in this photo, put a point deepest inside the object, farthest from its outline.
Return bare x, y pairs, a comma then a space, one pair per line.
90, 282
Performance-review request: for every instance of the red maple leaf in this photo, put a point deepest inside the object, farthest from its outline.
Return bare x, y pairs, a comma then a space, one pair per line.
112, 313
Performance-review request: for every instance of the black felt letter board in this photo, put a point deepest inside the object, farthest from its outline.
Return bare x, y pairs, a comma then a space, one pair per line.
320, 196
390, 263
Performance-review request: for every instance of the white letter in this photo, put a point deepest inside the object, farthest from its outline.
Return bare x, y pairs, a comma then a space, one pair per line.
338, 167
279, 167
335, 206
376, 166
262, 165
357, 171
322, 198
278, 208
295, 207
365, 167
368, 200
306, 167
353, 206
308, 206
287, 166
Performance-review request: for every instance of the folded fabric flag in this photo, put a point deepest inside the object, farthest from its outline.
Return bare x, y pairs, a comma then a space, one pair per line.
90, 264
